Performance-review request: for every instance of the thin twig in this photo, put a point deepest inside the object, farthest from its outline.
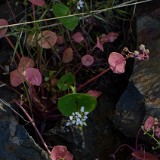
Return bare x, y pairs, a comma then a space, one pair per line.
84, 14
33, 124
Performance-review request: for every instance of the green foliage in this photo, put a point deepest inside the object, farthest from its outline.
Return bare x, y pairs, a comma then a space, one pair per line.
71, 103
66, 81
62, 10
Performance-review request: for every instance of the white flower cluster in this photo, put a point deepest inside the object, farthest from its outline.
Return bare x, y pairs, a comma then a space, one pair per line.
80, 4
78, 118
142, 54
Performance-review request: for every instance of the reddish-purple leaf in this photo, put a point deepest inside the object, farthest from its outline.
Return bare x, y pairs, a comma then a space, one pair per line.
31, 40
99, 44
26, 62
60, 152
142, 155
3, 31
157, 131
149, 123
37, 2
16, 77
112, 36
67, 55
117, 62
78, 37
60, 40
47, 39
94, 93
33, 76
87, 60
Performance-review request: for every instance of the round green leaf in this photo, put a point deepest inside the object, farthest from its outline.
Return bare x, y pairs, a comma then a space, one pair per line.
73, 102
66, 81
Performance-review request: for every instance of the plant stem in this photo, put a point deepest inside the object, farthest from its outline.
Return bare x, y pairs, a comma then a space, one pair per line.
93, 78
33, 124
9, 6
33, 8
11, 44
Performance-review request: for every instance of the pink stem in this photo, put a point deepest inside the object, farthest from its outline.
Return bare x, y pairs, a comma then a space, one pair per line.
33, 124
92, 79
11, 44
8, 3
97, 76
33, 8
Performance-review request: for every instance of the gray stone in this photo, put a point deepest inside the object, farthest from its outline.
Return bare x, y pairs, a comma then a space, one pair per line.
130, 111
16, 143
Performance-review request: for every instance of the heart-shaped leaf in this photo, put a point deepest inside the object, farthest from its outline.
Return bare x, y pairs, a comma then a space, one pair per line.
31, 40
62, 10
33, 76
16, 77
26, 62
47, 39
87, 60
60, 152
78, 37
71, 103
60, 40
3, 31
117, 62
37, 2
67, 55
142, 155
66, 81
94, 93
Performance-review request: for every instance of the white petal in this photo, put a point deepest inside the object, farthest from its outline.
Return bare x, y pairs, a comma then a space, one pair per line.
70, 117
86, 113
82, 109
81, 123
73, 121
68, 123
76, 113
77, 123
85, 117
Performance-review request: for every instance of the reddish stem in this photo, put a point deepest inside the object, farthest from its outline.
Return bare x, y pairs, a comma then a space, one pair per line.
93, 78
97, 76
9, 6
33, 124
11, 44
33, 8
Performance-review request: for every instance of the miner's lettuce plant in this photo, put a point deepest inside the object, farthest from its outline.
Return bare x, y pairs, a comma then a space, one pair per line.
73, 102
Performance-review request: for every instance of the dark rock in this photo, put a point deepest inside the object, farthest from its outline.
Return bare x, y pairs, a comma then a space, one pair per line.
97, 140
145, 79
130, 111
16, 143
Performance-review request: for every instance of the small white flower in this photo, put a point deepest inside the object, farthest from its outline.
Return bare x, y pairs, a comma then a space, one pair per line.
70, 117
85, 117
78, 118
86, 113
68, 123
73, 121
82, 109
147, 51
142, 47
80, 4
136, 53
76, 113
